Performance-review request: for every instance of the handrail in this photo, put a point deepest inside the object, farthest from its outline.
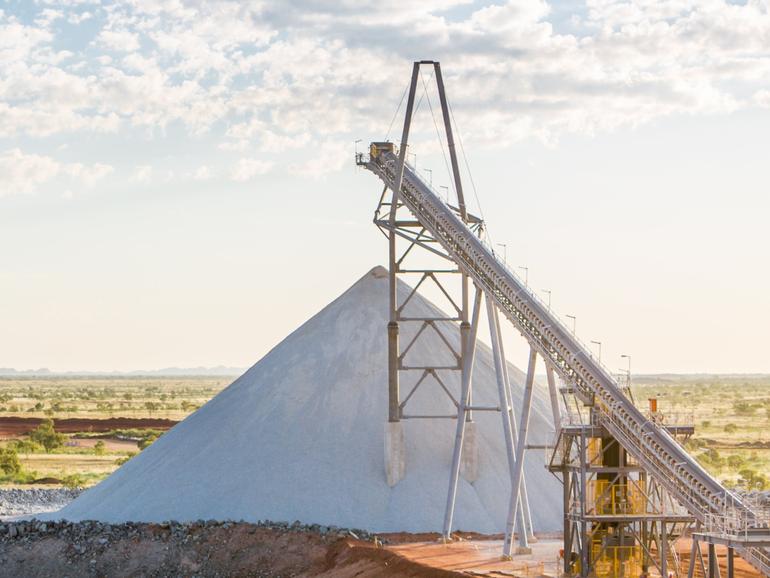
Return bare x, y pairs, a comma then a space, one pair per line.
645, 440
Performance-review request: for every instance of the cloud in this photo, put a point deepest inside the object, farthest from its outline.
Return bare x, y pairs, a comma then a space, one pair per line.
202, 173
142, 174
119, 40
330, 157
286, 76
25, 173
247, 169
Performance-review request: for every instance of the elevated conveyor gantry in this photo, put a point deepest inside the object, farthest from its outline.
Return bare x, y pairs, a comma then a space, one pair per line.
648, 443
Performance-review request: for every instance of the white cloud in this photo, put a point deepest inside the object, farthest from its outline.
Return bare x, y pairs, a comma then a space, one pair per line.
26, 172
142, 174
330, 157
202, 173
247, 169
340, 67
119, 40
88, 175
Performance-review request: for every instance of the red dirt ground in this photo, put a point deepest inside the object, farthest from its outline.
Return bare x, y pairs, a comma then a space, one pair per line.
18, 426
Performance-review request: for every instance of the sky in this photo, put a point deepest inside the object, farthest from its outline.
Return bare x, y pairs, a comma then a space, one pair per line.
177, 185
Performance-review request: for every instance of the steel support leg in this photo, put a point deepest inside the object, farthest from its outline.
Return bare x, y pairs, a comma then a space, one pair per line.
465, 391
504, 410
450, 141
404, 140
712, 561
393, 393
526, 531
583, 534
522, 442
693, 553
554, 395
730, 562
566, 477
663, 550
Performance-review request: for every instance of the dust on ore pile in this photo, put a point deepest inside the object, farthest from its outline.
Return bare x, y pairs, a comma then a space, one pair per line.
34, 548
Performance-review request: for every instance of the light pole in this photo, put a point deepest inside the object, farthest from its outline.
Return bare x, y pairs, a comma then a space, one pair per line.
548, 292
574, 322
446, 192
505, 252
628, 370
599, 343
430, 176
526, 275
356, 147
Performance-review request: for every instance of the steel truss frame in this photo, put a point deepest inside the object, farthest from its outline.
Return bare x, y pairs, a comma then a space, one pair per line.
654, 529
395, 221
649, 443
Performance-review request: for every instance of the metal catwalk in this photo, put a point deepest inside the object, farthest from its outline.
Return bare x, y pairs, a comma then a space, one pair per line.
457, 235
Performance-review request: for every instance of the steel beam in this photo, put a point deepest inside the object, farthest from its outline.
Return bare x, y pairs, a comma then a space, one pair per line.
521, 443
465, 394
504, 403
526, 531
450, 142
553, 394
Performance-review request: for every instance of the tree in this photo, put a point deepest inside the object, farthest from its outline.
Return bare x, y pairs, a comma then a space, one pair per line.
9, 461
100, 448
47, 436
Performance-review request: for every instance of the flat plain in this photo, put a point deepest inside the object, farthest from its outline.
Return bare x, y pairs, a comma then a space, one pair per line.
731, 415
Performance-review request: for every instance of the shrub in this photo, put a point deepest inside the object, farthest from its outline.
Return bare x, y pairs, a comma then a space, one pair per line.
124, 459
25, 446
47, 436
752, 480
9, 461
100, 448
743, 408
147, 440
735, 461
74, 481
731, 428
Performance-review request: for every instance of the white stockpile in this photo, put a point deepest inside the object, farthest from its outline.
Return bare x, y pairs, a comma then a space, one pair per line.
300, 436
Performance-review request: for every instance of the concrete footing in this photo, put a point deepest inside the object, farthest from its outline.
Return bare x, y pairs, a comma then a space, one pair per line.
469, 465
522, 550
395, 452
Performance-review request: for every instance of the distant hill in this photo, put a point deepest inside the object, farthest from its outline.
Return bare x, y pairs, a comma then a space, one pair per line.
166, 371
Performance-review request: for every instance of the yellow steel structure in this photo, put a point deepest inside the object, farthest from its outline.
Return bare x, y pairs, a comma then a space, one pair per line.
627, 498
617, 561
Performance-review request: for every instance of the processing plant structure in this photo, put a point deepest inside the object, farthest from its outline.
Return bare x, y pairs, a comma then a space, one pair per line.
630, 488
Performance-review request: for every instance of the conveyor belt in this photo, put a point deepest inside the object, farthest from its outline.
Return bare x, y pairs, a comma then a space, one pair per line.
647, 442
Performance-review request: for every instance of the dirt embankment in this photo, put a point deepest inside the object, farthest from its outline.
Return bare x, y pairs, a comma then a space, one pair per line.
36, 549
18, 426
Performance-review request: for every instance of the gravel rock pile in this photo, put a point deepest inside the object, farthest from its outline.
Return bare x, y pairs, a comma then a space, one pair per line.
90, 534
35, 548
18, 502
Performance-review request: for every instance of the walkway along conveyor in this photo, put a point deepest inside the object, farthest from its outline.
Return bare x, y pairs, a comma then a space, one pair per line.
647, 443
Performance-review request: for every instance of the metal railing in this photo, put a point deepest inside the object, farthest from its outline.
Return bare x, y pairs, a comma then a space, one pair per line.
645, 440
